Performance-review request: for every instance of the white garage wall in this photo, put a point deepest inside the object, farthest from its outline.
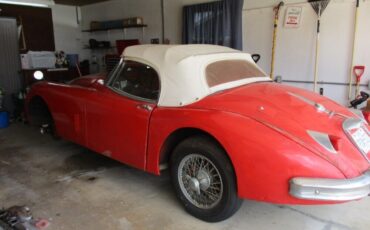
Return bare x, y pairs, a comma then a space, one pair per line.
150, 10
295, 47
67, 32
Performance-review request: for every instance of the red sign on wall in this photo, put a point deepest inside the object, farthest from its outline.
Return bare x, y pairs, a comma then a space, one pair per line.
293, 17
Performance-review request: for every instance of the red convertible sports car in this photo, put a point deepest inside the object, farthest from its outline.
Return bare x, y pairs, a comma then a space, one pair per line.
225, 130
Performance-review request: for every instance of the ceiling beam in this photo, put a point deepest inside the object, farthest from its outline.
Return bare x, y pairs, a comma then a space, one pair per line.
78, 2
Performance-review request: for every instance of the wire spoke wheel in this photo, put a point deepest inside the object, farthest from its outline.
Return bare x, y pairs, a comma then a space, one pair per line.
200, 181
204, 179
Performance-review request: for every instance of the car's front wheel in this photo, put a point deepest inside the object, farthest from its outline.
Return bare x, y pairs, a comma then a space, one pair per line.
204, 179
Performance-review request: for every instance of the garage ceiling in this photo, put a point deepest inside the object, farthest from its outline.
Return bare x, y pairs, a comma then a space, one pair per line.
78, 2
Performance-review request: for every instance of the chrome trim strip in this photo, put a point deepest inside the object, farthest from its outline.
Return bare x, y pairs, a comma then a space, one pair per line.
319, 107
330, 189
322, 139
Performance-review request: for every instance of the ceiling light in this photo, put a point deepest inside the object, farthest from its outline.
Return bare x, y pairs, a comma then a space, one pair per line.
36, 3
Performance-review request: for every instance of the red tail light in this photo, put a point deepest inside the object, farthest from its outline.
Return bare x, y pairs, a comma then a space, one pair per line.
367, 116
336, 142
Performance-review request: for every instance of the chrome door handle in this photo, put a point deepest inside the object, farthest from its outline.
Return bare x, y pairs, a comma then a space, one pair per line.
145, 107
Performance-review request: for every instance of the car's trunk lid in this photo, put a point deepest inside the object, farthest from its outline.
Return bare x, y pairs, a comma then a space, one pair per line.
295, 112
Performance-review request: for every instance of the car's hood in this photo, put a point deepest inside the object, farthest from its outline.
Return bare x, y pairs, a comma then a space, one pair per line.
294, 112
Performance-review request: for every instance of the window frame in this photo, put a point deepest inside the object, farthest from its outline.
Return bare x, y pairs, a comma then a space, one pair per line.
115, 74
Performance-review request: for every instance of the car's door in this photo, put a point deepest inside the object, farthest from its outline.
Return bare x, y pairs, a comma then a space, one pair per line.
118, 113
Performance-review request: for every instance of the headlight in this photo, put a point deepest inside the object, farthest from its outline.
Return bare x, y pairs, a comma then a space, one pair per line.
38, 75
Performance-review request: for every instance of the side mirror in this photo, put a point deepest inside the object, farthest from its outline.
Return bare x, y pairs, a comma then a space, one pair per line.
256, 57
98, 83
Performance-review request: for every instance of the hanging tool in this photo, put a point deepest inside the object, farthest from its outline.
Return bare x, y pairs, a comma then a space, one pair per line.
256, 57
319, 6
358, 71
353, 51
276, 23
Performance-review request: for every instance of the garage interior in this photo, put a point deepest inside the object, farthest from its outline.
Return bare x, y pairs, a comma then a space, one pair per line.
71, 187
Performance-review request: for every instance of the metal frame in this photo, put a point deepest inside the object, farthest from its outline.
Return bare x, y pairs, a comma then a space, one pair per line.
114, 76
322, 83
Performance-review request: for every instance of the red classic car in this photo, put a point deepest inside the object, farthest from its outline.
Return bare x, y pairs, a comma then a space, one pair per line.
225, 130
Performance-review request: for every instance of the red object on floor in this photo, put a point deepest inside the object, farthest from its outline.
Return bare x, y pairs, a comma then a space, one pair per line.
42, 224
123, 44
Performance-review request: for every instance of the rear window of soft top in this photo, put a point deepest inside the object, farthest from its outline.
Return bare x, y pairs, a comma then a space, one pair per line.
225, 71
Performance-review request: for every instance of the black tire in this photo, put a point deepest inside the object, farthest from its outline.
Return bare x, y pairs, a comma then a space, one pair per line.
203, 146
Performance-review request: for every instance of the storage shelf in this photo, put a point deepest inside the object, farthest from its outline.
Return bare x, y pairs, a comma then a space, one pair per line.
120, 28
100, 48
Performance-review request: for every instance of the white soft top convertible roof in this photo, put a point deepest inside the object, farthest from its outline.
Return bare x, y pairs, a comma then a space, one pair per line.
181, 69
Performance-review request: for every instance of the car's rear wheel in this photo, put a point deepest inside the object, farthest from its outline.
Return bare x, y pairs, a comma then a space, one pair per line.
204, 179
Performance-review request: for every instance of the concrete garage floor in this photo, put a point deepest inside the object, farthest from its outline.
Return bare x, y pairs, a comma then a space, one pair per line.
77, 189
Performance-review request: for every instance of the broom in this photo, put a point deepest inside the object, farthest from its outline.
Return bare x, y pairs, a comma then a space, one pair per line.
353, 51
276, 22
319, 6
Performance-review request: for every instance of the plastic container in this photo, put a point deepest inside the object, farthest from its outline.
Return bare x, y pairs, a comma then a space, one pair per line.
115, 24
72, 60
42, 59
4, 119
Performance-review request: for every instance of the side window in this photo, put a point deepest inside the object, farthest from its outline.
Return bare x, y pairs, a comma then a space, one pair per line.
138, 80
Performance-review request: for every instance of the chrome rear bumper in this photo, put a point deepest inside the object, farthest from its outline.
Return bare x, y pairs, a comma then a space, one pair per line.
331, 189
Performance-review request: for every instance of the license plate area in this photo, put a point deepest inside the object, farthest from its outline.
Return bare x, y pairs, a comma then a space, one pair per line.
362, 139
357, 131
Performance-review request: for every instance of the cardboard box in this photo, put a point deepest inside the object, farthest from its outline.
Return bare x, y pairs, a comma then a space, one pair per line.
95, 25
42, 60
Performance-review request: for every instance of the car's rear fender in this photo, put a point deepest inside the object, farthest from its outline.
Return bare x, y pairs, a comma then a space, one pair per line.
264, 160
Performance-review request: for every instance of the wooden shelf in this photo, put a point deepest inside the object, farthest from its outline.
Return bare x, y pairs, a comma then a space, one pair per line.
120, 28
100, 48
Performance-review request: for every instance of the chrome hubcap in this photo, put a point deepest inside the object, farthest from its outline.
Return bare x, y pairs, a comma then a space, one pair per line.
200, 181
194, 185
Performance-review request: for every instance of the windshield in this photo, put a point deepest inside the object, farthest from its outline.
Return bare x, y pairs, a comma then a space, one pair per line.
222, 72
